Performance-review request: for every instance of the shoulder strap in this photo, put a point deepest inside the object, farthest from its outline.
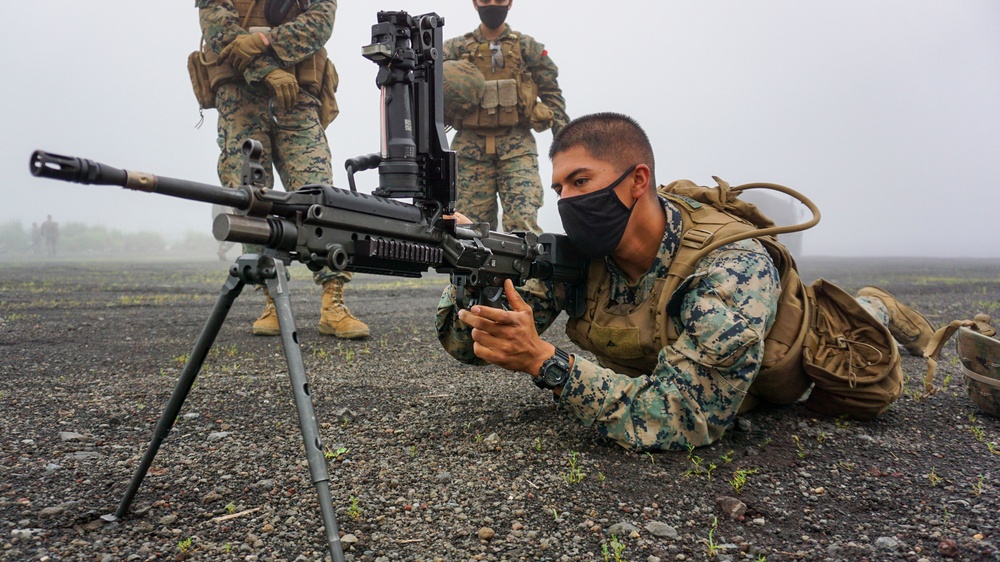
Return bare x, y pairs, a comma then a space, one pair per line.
980, 323
714, 217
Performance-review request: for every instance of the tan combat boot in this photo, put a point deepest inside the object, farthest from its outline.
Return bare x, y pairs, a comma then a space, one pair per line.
906, 325
267, 324
335, 319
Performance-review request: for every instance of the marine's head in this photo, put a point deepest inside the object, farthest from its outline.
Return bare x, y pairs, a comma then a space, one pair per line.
492, 12
602, 168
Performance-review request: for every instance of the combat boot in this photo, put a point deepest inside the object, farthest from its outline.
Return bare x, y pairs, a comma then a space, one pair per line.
335, 319
267, 324
906, 325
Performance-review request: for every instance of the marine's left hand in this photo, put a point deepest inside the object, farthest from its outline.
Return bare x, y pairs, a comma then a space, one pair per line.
508, 338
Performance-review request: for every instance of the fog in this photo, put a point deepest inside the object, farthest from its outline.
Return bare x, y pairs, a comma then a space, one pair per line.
884, 113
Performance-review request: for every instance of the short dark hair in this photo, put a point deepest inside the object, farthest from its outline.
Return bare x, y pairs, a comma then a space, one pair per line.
611, 137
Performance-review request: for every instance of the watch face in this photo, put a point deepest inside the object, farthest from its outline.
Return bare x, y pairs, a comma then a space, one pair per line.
554, 373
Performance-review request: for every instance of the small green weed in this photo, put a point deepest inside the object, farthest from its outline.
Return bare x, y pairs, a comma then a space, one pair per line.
713, 547
575, 475
798, 445
185, 545
613, 550
335, 454
979, 486
354, 510
933, 477
740, 478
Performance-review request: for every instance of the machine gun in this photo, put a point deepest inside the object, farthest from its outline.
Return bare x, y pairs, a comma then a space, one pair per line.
346, 230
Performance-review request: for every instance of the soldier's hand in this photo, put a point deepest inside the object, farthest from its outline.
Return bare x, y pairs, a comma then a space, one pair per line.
243, 50
542, 118
459, 218
507, 338
285, 87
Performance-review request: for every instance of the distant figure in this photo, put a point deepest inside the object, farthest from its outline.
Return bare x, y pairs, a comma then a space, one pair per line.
518, 91
224, 246
36, 238
50, 232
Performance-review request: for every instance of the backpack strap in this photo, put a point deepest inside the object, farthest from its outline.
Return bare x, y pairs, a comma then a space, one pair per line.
980, 323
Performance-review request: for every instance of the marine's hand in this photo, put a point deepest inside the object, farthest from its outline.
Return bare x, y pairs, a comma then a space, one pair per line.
243, 50
508, 338
285, 87
459, 218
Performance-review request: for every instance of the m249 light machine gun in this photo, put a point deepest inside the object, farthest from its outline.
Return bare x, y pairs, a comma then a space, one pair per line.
320, 225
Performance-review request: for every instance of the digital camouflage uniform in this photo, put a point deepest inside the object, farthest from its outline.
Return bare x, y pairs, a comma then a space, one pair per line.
696, 388
297, 144
511, 173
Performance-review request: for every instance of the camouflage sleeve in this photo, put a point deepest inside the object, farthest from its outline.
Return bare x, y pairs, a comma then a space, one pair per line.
545, 300
695, 390
296, 40
451, 49
546, 75
220, 23
291, 42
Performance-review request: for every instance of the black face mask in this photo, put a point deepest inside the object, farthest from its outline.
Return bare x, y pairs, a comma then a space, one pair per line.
493, 16
596, 221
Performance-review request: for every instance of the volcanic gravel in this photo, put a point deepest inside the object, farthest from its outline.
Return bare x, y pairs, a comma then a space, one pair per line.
433, 460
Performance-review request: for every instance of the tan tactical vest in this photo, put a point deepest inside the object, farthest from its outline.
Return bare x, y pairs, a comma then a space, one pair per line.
309, 72
511, 92
624, 342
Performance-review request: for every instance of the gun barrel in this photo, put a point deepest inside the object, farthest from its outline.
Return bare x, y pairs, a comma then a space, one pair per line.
81, 170
77, 170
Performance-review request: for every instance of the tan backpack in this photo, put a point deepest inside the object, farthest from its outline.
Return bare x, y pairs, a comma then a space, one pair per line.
819, 330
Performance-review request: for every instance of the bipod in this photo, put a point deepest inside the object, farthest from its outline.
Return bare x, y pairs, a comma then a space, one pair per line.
251, 269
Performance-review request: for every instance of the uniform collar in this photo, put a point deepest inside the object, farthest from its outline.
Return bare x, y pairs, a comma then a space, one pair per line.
478, 34
638, 292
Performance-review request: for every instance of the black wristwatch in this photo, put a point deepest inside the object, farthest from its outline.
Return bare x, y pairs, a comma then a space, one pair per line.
555, 371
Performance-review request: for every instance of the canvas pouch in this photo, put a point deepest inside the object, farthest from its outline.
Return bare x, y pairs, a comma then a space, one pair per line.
850, 356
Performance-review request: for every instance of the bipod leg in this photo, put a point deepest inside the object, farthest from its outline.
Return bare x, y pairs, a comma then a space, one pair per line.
278, 288
230, 290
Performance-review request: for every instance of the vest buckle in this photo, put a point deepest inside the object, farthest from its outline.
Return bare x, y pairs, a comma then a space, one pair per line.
697, 238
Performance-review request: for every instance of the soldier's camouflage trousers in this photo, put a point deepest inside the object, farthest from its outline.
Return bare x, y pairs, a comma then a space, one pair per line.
296, 145
515, 181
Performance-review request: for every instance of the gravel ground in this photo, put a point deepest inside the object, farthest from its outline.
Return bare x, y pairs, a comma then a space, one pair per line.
432, 460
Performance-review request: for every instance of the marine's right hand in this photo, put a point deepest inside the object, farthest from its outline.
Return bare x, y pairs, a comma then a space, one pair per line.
285, 87
240, 52
459, 218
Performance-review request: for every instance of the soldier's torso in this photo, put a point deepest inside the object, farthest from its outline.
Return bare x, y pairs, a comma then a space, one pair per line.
629, 338
252, 13
510, 92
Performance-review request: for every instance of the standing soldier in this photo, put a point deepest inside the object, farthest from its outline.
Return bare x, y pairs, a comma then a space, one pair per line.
50, 232
223, 246
268, 75
497, 155
36, 238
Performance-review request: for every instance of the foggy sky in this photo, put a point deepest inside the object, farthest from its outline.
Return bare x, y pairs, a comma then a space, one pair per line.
884, 113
